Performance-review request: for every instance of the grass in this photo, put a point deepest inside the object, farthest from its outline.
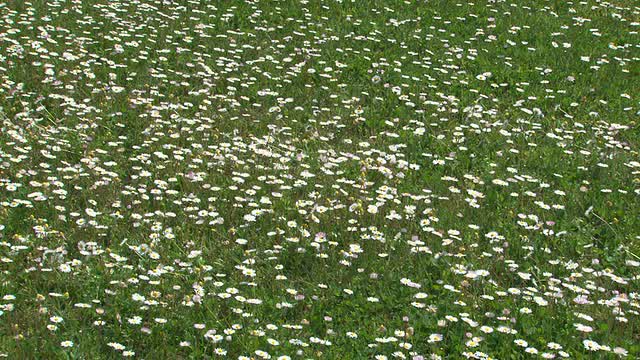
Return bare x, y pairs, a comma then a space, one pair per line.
326, 179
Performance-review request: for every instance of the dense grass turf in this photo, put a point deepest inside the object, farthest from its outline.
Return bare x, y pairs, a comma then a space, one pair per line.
319, 179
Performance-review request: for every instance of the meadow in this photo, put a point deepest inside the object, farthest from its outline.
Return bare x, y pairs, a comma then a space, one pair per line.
322, 179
